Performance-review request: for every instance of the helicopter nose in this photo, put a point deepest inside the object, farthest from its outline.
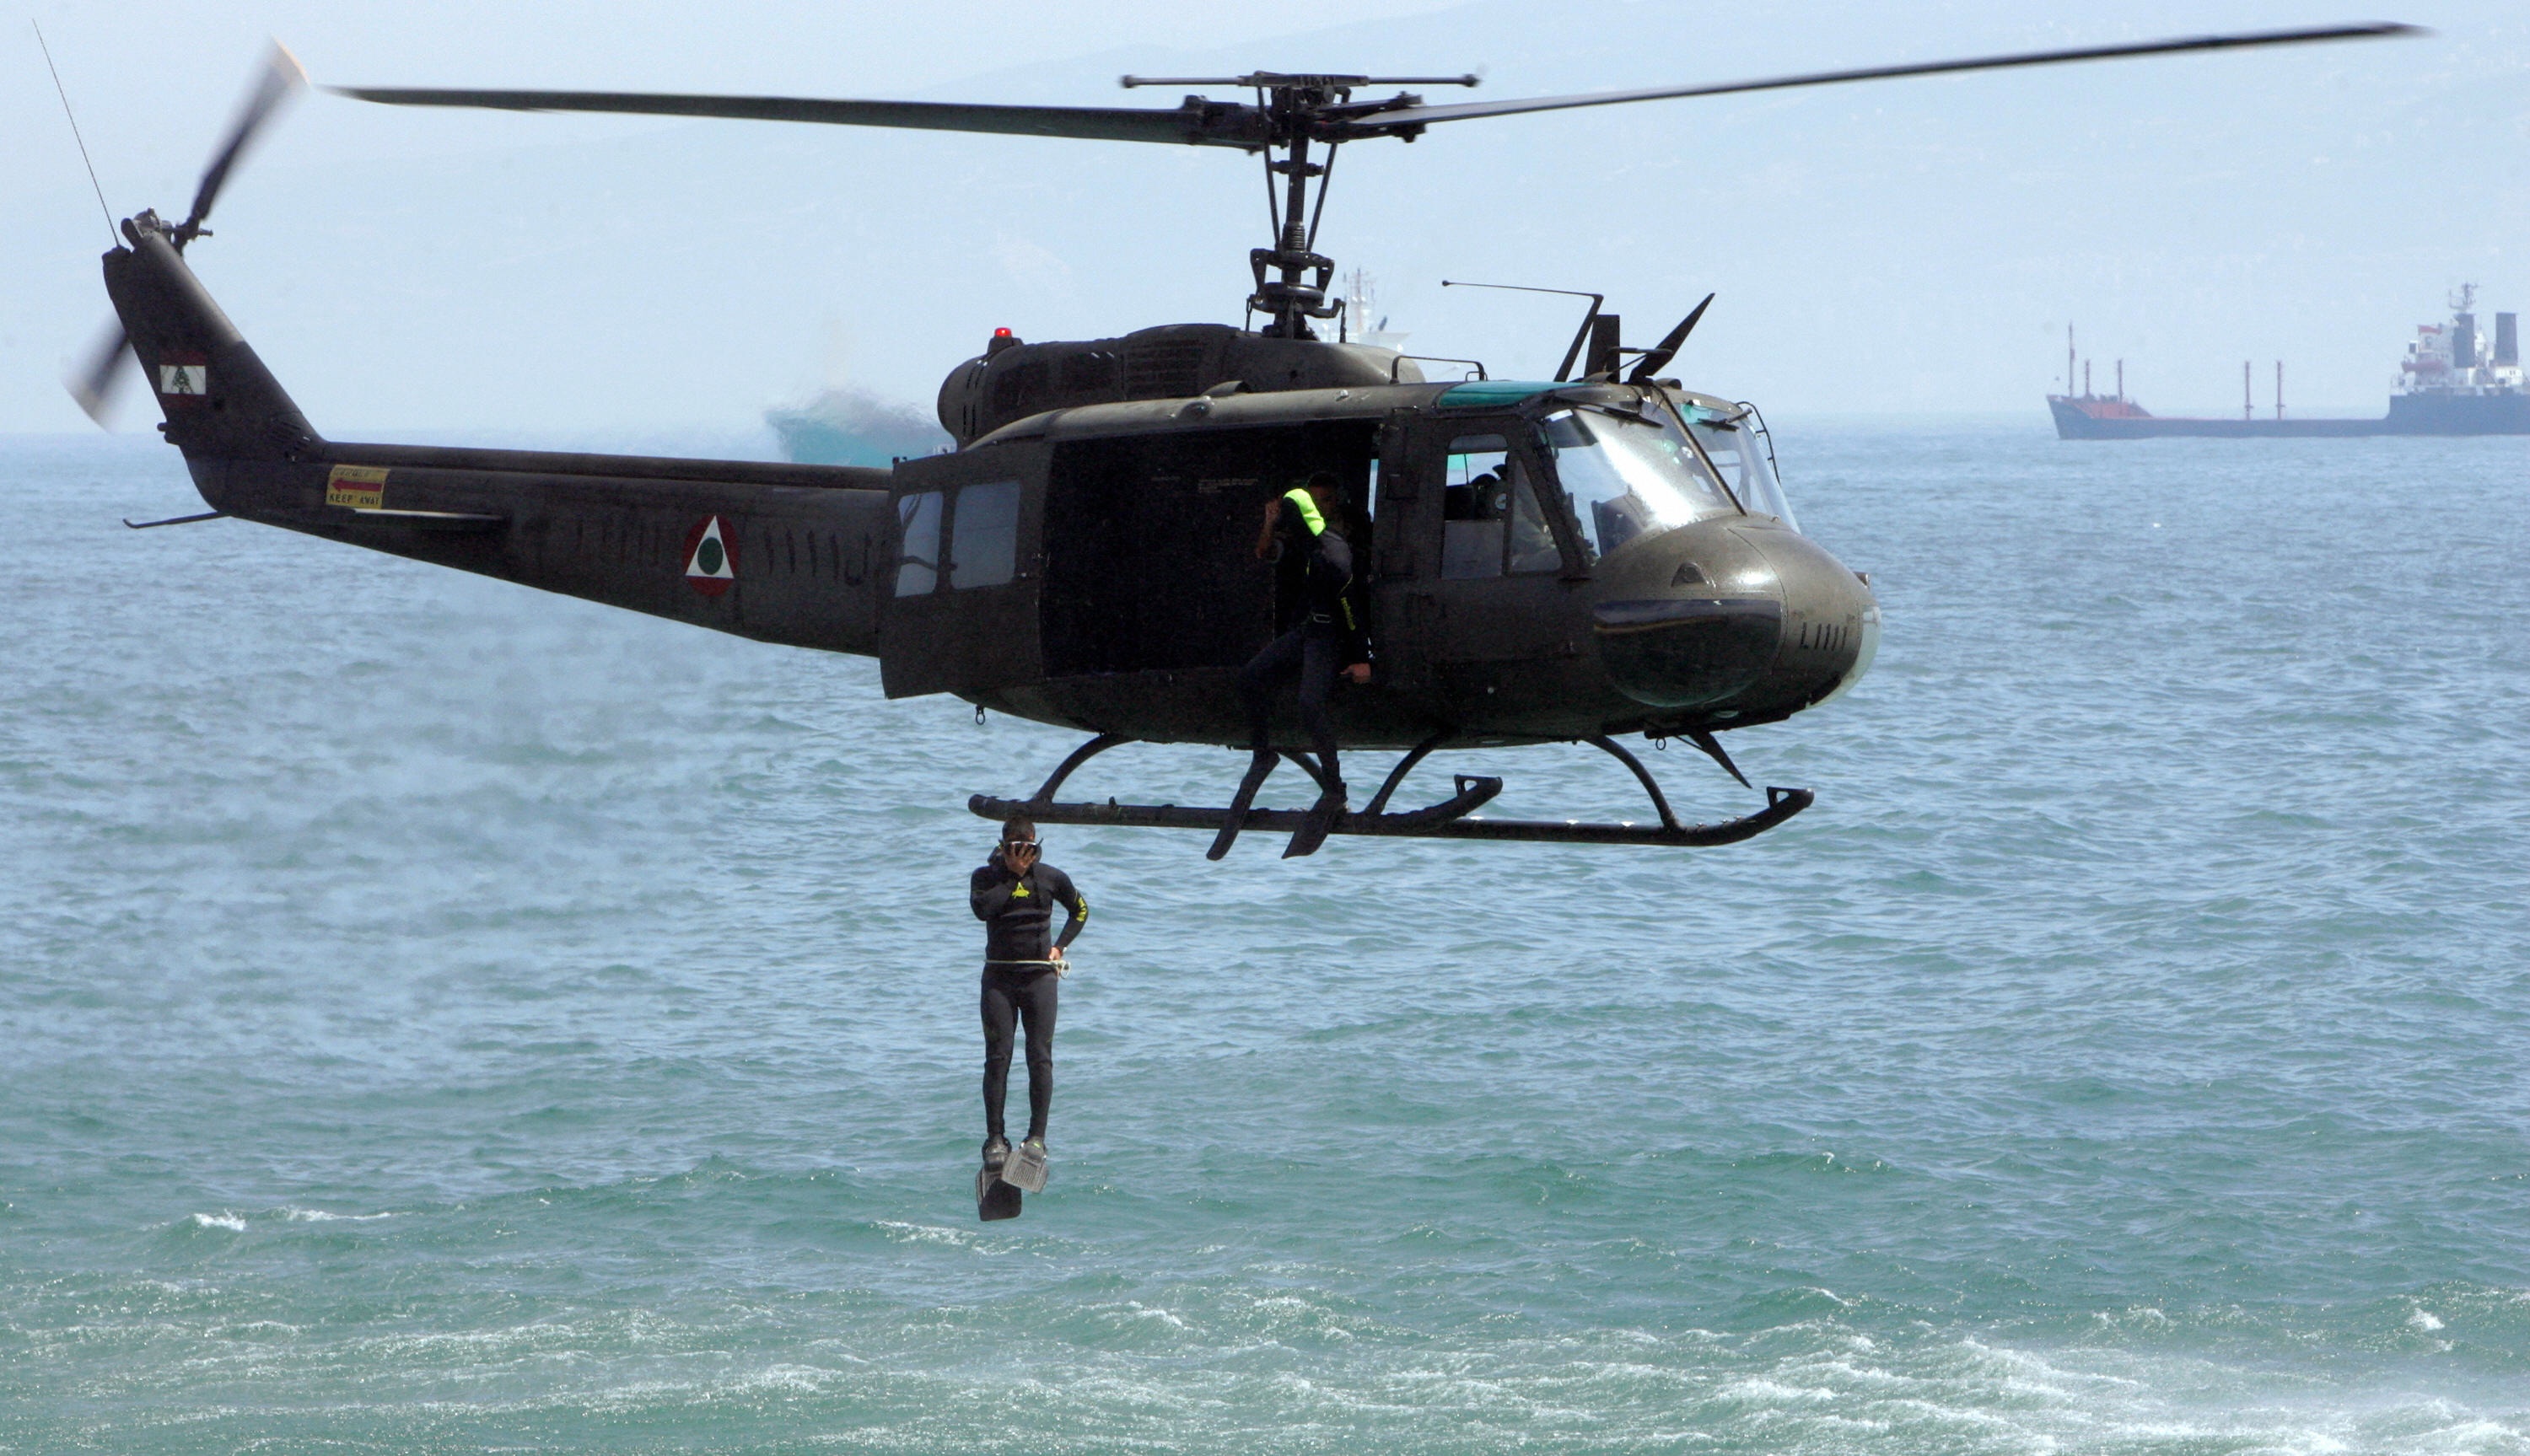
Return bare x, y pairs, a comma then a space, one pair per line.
1690, 620
1739, 619
1831, 628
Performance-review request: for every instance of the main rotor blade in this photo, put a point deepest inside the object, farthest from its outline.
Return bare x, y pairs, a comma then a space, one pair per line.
1420, 116
283, 78
1203, 123
1666, 349
93, 386
1206, 122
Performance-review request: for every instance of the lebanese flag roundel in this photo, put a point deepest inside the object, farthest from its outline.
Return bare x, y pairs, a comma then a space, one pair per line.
711, 558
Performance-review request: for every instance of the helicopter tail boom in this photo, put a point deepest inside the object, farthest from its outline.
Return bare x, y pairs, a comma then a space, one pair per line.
781, 553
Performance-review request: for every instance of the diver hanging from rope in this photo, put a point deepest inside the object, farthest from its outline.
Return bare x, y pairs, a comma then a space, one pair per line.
1322, 641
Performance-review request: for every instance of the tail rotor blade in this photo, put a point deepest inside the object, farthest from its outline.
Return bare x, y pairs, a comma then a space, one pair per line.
93, 387
282, 78
1666, 349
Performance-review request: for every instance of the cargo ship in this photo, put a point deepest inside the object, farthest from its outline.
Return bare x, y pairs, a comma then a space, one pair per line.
2452, 383
852, 428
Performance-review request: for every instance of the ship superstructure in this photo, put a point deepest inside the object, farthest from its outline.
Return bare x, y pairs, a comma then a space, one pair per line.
2451, 377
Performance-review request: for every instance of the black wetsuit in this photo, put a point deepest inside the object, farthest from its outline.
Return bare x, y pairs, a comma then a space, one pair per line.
1018, 922
1326, 639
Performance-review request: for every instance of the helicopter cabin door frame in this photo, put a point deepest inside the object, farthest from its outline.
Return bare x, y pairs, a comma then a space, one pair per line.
958, 606
1478, 570
1150, 542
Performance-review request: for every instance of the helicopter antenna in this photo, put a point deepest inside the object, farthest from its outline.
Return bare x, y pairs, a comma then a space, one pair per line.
1659, 355
1563, 370
110, 233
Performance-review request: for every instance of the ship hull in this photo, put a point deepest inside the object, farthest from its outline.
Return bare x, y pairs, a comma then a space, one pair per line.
2458, 414
2409, 414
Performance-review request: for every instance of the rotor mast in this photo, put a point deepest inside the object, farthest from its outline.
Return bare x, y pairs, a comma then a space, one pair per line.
1286, 299
1297, 110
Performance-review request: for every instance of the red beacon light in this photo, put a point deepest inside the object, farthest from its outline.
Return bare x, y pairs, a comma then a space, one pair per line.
1002, 338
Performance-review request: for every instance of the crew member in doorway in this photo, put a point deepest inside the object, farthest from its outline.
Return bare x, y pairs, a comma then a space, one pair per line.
1325, 641
1014, 892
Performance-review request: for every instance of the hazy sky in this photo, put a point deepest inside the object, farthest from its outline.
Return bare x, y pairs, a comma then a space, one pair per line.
1905, 245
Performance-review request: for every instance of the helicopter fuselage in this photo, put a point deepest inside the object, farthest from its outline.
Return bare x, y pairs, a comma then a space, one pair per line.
1133, 595
1093, 567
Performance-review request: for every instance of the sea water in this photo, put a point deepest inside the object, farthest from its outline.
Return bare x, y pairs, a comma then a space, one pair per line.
438, 1016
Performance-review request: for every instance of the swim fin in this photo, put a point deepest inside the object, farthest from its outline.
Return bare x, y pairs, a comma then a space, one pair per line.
1025, 1169
994, 1198
1258, 768
1313, 831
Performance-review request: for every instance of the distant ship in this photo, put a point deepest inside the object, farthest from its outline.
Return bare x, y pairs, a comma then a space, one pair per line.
1362, 322
852, 428
2449, 384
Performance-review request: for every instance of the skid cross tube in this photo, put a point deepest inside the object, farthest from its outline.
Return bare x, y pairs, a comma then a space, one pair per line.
1651, 786
1309, 765
1084, 753
1405, 766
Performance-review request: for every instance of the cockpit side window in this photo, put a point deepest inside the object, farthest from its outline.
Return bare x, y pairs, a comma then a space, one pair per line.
1531, 546
1491, 521
918, 562
983, 546
1474, 501
1630, 476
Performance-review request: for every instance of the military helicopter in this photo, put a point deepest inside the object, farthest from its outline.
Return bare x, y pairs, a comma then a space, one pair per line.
1567, 560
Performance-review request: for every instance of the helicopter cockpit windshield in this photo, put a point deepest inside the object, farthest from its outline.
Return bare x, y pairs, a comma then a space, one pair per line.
1629, 475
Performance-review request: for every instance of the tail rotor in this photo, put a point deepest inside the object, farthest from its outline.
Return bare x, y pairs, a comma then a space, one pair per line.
280, 77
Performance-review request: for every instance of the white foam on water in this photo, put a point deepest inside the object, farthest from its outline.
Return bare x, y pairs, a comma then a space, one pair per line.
2473, 1436
800, 1379
1979, 1391
927, 1233
1133, 1308
471, 1344
232, 1223
1759, 1390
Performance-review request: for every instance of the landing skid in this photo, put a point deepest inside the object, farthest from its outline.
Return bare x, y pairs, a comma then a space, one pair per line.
1451, 819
